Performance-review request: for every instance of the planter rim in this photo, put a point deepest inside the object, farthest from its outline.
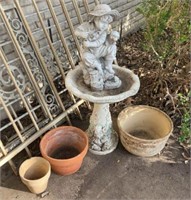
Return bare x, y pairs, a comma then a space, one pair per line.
35, 180
81, 154
148, 107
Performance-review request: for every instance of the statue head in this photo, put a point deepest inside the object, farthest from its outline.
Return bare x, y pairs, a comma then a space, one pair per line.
104, 9
102, 22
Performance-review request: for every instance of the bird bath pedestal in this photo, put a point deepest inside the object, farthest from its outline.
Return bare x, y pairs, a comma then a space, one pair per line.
103, 138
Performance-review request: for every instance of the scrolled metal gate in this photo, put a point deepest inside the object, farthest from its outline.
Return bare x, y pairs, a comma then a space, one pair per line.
35, 56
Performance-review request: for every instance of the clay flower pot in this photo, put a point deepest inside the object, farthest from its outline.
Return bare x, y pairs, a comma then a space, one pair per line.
65, 148
144, 130
35, 173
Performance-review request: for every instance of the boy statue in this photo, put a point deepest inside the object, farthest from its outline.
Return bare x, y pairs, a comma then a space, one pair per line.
99, 48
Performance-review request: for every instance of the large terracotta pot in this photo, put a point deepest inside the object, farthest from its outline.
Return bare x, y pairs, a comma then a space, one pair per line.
144, 130
35, 173
65, 148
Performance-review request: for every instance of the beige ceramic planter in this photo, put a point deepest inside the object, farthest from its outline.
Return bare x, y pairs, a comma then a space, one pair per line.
144, 130
35, 173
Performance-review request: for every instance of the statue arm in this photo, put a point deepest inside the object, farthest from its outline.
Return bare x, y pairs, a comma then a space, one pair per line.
82, 31
96, 43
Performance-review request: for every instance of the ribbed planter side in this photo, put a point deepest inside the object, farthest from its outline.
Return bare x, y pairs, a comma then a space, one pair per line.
144, 130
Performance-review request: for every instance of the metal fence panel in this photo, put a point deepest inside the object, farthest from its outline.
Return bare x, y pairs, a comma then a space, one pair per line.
33, 96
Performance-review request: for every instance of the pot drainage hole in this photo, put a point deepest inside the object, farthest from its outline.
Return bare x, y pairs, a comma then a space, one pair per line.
65, 153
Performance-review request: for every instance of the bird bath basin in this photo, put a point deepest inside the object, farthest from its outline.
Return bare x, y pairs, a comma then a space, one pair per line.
103, 138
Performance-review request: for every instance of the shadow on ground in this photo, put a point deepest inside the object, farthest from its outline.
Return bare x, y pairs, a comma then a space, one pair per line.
118, 175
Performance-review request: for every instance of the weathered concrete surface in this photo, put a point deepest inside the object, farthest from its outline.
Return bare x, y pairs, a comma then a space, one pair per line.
119, 175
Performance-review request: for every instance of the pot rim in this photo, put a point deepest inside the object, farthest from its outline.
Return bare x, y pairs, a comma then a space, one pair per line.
152, 108
50, 132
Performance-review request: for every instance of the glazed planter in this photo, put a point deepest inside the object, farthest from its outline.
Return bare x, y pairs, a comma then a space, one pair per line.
65, 148
144, 130
35, 173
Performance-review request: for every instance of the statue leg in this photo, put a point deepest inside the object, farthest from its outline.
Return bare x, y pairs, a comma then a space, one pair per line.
109, 58
108, 66
111, 81
93, 72
96, 80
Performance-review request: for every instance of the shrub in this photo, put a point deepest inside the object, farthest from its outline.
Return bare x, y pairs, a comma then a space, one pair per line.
167, 33
184, 103
167, 29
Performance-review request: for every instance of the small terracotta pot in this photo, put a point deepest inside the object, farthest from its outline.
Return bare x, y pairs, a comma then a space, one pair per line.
65, 148
35, 173
144, 130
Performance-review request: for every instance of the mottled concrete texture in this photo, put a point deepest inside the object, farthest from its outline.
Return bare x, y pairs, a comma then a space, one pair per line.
118, 175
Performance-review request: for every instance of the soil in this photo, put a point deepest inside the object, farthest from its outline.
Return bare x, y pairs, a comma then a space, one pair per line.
155, 90
65, 153
142, 134
152, 92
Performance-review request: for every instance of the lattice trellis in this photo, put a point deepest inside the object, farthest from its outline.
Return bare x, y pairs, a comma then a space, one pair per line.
33, 97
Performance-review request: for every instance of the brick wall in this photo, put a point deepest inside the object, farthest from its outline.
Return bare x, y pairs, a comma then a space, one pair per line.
130, 19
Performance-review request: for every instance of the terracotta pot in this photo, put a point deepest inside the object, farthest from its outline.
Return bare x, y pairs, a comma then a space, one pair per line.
144, 130
65, 148
35, 173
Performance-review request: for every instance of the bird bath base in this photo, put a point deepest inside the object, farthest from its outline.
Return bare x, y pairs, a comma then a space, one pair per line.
103, 138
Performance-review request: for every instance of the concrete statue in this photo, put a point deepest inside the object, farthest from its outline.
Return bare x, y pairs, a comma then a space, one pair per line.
99, 48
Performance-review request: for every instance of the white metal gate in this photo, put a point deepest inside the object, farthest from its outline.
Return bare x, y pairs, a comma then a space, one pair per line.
36, 51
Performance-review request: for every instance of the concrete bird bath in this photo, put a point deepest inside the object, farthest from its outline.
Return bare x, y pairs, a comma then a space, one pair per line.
97, 80
103, 138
